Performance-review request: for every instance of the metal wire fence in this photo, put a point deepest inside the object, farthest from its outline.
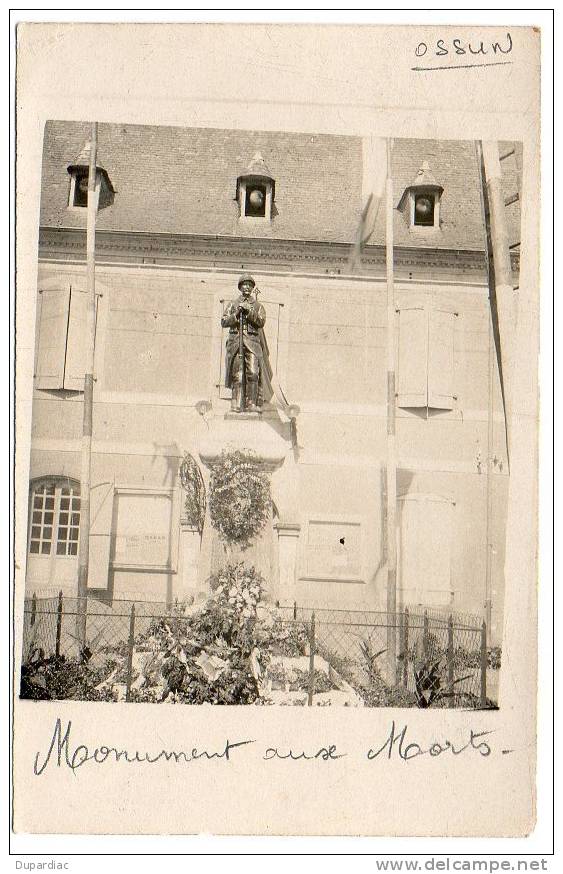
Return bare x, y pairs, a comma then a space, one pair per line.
50, 625
440, 661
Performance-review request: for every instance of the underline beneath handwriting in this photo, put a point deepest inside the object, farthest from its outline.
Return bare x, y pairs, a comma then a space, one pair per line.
463, 66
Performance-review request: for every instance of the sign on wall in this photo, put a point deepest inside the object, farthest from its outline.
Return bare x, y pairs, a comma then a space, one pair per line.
333, 550
143, 526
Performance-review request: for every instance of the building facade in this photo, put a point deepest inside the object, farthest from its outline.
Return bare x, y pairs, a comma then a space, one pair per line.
186, 212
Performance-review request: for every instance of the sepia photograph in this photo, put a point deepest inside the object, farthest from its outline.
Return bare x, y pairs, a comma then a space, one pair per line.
270, 421
277, 480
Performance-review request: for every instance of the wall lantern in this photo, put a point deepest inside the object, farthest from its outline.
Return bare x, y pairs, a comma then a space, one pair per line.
203, 407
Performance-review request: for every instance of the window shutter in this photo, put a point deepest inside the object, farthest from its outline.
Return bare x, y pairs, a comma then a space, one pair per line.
101, 510
53, 325
412, 385
76, 341
426, 525
441, 359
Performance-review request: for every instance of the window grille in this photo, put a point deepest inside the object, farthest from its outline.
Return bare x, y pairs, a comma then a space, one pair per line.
55, 518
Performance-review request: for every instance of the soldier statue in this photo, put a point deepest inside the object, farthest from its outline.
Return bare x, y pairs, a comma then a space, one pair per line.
246, 364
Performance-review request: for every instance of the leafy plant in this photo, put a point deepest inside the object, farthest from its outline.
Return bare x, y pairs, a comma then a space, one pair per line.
143, 696
321, 682
289, 638
86, 648
462, 658
213, 655
57, 678
429, 680
370, 656
382, 695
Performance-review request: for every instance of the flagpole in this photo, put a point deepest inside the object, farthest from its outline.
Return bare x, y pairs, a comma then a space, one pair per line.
391, 477
497, 234
87, 422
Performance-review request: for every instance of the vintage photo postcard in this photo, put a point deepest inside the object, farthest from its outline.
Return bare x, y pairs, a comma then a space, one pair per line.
277, 457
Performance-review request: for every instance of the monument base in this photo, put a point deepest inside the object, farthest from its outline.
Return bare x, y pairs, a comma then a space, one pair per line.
242, 432
248, 415
250, 431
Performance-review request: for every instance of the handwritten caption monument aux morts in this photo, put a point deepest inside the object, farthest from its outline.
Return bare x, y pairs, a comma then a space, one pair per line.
396, 743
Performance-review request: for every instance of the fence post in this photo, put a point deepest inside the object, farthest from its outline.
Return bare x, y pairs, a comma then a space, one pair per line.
59, 624
484, 660
311, 661
33, 609
406, 650
295, 609
450, 658
425, 636
399, 620
130, 648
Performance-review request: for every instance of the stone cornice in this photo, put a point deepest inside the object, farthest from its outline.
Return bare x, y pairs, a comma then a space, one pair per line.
291, 255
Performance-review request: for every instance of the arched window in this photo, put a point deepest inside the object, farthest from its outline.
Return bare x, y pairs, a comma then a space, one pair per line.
54, 516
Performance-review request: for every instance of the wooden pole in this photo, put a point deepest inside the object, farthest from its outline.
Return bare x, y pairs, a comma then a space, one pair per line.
484, 662
89, 341
504, 294
391, 440
494, 341
489, 545
59, 624
450, 658
311, 684
406, 645
130, 650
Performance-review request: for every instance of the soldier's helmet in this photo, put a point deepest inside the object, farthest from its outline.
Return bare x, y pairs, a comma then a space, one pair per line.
246, 277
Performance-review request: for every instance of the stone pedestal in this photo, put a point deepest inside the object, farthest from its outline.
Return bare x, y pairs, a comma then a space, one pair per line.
188, 562
288, 541
242, 431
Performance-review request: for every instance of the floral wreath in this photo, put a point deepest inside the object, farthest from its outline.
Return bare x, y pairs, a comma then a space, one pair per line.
239, 497
194, 486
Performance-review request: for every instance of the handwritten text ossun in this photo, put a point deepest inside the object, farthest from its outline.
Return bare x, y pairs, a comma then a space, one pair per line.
456, 46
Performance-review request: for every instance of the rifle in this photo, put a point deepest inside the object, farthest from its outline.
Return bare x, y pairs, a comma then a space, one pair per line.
242, 397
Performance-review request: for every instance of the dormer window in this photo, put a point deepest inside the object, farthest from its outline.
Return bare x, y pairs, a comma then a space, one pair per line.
424, 207
420, 202
78, 196
255, 201
79, 172
256, 191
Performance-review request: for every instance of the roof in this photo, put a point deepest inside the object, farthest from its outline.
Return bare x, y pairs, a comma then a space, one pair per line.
183, 181
82, 162
425, 178
257, 167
